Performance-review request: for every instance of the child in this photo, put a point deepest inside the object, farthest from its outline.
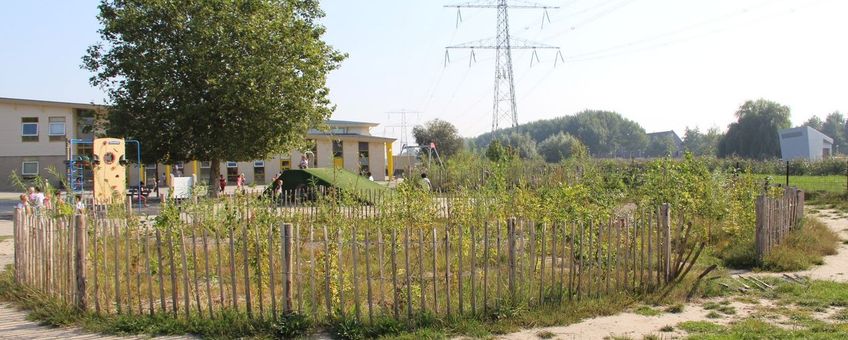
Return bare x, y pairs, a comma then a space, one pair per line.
23, 204
222, 183
80, 205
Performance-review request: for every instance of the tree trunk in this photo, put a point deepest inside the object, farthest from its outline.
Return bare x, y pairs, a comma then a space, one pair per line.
214, 172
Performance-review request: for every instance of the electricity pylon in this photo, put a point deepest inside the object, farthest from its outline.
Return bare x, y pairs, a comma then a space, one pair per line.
503, 43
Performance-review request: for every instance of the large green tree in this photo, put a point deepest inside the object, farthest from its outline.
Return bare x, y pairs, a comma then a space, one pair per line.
441, 133
701, 144
561, 146
834, 127
754, 134
213, 80
604, 133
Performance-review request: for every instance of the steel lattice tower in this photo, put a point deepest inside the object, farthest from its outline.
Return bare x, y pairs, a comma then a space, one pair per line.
504, 107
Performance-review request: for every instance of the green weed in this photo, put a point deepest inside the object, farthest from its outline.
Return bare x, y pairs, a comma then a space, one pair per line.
647, 311
700, 327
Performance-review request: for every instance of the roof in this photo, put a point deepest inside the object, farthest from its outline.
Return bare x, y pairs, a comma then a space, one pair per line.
19, 101
348, 136
797, 131
669, 133
348, 123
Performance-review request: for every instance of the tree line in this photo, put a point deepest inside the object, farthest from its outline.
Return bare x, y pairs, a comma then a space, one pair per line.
607, 134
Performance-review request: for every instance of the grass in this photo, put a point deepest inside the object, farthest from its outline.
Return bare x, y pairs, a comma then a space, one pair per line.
836, 184
675, 308
752, 328
828, 200
545, 335
647, 311
700, 327
802, 248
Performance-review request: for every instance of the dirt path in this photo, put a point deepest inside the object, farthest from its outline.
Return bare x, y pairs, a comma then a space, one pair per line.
636, 326
13, 322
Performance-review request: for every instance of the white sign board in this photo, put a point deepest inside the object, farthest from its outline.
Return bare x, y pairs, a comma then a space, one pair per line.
181, 187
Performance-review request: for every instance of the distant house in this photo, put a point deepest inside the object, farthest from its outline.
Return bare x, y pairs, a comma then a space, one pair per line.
804, 143
678, 143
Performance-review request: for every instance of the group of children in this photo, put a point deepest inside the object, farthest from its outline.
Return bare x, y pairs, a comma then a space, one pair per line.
34, 201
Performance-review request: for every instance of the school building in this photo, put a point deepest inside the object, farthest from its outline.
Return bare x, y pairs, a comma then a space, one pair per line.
34, 135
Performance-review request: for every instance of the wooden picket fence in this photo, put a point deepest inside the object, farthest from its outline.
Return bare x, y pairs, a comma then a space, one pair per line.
263, 269
776, 217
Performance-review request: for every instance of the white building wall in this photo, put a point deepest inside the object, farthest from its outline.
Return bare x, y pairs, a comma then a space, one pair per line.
377, 161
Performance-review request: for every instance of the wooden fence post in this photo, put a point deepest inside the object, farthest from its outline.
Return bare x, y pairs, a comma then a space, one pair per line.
287, 267
512, 260
666, 230
16, 236
80, 301
759, 235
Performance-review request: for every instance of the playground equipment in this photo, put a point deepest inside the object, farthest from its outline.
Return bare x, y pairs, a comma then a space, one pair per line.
413, 156
108, 166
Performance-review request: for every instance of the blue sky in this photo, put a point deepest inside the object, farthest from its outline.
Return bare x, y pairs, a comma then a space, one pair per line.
665, 64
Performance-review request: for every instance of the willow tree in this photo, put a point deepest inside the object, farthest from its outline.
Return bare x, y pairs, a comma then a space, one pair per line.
213, 80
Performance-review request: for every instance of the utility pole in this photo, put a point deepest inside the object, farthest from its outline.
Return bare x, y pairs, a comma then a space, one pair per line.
404, 123
504, 110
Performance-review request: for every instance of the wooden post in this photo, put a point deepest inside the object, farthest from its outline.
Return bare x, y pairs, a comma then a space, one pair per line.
355, 279
16, 236
510, 225
368, 276
395, 295
80, 301
759, 234
666, 229
447, 272
407, 274
287, 268
542, 266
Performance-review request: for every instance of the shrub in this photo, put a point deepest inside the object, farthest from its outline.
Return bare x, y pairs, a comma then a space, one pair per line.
802, 247
291, 325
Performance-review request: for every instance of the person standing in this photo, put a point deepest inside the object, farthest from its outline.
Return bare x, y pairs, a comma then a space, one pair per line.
23, 204
222, 183
156, 186
164, 180
38, 201
425, 182
240, 183
304, 162
80, 207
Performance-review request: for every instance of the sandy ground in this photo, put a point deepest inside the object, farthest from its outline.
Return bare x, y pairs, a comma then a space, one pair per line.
637, 326
835, 268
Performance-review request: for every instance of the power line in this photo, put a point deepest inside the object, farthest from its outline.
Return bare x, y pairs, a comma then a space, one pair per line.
505, 107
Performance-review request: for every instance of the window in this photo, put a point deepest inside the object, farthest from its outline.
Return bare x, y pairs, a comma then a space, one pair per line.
231, 164
259, 172
29, 168
285, 164
56, 126
338, 148
150, 166
339, 131
205, 164
29, 129
364, 167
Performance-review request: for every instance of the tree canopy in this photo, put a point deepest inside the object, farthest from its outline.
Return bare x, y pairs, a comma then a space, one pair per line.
701, 144
604, 133
442, 133
834, 126
561, 146
754, 134
212, 80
